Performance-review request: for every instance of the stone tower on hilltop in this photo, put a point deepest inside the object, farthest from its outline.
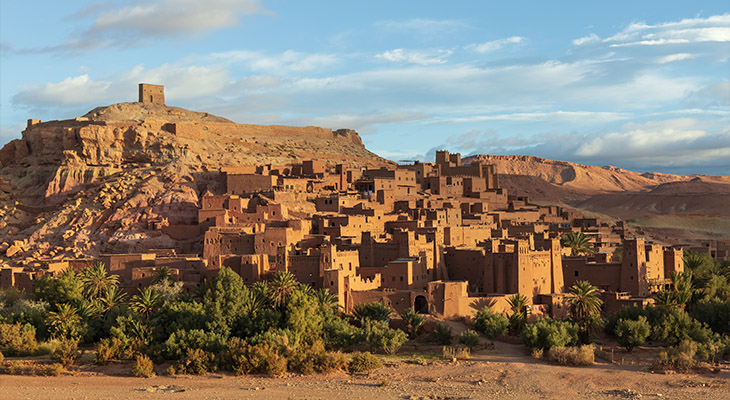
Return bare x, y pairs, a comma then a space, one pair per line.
154, 94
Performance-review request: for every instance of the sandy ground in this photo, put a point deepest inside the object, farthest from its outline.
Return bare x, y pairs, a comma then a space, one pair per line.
504, 373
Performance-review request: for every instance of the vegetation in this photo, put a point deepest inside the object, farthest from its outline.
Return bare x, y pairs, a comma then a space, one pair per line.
469, 338
518, 319
576, 356
578, 243
585, 309
632, 333
547, 333
443, 334
490, 324
143, 367
413, 321
364, 362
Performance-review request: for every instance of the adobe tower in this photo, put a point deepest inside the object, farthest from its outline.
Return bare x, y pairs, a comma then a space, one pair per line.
154, 94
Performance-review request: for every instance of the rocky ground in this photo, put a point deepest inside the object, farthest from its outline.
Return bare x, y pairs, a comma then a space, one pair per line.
504, 373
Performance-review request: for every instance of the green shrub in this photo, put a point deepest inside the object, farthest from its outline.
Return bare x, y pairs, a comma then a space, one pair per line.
413, 320
18, 340
490, 324
67, 351
443, 334
715, 313
632, 333
547, 333
2, 357
338, 333
363, 362
576, 356
177, 345
31, 368
143, 366
197, 362
381, 337
469, 338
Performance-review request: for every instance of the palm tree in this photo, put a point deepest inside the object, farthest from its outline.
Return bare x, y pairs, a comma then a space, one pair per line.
578, 242
162, 275
145, 302
585, 307
326, 299
665, 300
95, 280
375, 311
518, 319
112, 297
63, 322
282, 284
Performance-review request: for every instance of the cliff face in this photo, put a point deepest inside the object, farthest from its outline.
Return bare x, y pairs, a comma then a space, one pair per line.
108, 181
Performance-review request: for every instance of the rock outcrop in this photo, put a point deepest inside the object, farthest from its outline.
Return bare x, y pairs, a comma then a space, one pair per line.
110, 180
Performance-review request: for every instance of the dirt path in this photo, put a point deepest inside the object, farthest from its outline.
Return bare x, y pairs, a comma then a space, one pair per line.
506, 373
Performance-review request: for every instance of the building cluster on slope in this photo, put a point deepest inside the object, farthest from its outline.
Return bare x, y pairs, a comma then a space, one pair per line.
441, 237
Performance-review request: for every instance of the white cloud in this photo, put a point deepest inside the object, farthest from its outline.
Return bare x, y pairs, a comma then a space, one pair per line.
284, 63
173, 17
675, 57
657, 140
415, 57
715, 28
181, 82
495, 45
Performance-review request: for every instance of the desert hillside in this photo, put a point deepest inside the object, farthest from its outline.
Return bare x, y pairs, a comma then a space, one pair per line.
588, 179
106, 181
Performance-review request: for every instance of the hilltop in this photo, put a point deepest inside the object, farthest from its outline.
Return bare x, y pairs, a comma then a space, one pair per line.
104, 181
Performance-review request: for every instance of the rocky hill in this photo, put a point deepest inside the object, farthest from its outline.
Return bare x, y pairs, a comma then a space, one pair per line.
106, 182
587, 179
667, 207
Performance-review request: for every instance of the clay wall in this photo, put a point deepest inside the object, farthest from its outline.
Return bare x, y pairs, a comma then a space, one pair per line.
154, 94
242, 184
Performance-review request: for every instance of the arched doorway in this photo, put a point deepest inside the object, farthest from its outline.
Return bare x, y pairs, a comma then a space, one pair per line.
420, 304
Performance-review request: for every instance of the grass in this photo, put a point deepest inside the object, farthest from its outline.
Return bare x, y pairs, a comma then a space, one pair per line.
694, 223
576, 356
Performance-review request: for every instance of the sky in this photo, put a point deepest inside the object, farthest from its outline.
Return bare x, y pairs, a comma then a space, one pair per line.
642, 85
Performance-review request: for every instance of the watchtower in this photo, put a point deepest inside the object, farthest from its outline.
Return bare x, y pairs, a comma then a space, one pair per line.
151, 93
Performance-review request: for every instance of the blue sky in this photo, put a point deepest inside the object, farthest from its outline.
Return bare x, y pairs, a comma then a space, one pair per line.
643, 85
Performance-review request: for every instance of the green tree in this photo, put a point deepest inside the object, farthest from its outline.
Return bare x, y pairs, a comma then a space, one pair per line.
632, 333
547, 333
67, 288
326, 300
223, 301
585, 308
112, 297
96, 280
162, 274
375, 311
578, 243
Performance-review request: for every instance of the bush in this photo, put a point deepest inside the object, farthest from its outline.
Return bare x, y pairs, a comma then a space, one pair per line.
110, 349
679, 358
715, 313
547, 333
490, 324
18, 340
576, 356
469, 338
443, 334
263, 357
143, 366
454, 353
197, 362
31, 368
632, 333
176, 346
67, 352
338, 333
312, 358
380, 336
363, 362
2, 357
413, 320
